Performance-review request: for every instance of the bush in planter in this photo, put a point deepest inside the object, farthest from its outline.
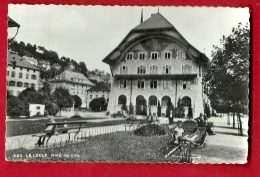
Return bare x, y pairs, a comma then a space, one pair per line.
149, 130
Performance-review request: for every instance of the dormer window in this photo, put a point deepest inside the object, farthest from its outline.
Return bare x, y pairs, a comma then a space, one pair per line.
154, 55
181, 55
141, 70
141, 56
167, 55
129, 56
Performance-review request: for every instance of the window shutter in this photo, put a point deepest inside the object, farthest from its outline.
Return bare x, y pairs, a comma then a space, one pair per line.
190, 69
126, 70
164, 70
170, 69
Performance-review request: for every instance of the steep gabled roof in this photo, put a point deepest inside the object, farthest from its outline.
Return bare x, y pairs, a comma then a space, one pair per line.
16, 60
101, 86
156, 21
73, 77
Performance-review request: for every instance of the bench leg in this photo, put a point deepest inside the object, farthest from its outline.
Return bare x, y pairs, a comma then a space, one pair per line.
69, 136
48, 141
76, 135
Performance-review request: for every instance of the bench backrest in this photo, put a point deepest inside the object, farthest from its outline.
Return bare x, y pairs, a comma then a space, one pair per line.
69, 122
189, 126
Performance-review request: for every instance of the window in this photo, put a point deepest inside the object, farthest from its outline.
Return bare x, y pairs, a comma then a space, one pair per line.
181, 55
96, 96
11, 83
200, 71
167, 69
7, 73
153, 100
167, 55
26, 84
27, 70
187, 69
21, 69
154, 69
186, 85
122, 99
166, 84
141, 70
153, 84
38, 107
123, 84
20, 75
103, 96
34, 71
140, 84
90, 96
13, 74
19, 84
141, 56
27, 75
154, 55
123, 70
33, 85
33, 76
129, 56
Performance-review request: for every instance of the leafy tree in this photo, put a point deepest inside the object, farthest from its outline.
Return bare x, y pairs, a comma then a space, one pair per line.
159, 109
13, 106
83, 68
77, 101
62, 98
51, 108
207, 110
124, 108
97, 104
227, 78
180, 109
169, 108
190, 114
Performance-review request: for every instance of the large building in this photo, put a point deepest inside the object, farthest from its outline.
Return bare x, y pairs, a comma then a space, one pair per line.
76, 83
154, 63
102, 89
21, 74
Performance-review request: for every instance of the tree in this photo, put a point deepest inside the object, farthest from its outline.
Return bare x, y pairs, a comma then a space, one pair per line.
190, 114
227, 78
82, 67
97, 104
77, 101
207, 110
13, 106
131, 109
51, 108
159, 109
62, 98
179, 109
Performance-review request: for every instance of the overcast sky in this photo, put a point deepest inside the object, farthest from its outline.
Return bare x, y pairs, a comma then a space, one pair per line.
89, 33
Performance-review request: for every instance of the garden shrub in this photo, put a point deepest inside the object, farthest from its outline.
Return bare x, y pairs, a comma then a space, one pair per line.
149, 130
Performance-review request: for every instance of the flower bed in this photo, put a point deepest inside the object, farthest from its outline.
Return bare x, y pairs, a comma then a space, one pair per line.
149, 130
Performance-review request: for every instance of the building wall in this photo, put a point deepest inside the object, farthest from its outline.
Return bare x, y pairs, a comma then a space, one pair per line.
15, 90
176, 63
35, 109
96, 94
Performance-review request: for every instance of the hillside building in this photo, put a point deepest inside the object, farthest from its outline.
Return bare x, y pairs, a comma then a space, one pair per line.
76, 83
98, 91
21, 74
154, 63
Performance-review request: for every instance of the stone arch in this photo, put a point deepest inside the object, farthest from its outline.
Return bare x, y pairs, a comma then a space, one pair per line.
140, 100
122, 99
153, 101
186, 101
165, 100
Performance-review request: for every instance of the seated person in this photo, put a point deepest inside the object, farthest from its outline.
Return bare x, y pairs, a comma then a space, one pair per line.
48, 128
202, 123
178, 132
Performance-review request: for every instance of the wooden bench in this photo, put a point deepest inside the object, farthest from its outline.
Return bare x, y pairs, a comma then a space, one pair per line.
61, 128
191, 131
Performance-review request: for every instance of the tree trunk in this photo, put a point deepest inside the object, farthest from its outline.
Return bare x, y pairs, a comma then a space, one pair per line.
228, 119
240, 129
234, 120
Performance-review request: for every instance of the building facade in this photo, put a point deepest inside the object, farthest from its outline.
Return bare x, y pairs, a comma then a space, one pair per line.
76, 83
98, 91
155, 64
21, 74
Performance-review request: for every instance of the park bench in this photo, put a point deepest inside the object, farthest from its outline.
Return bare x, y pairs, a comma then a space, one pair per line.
61, 128
191, 131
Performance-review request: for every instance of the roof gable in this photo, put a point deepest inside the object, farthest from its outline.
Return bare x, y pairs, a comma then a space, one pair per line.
156, 21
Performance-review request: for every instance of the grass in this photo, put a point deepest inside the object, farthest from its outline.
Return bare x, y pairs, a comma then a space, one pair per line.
25, 127
114, 147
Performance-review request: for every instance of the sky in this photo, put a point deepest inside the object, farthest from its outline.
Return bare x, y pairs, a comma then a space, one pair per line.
90, 33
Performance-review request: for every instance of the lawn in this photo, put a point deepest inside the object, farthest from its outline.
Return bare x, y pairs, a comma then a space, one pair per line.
24, 127
114, 147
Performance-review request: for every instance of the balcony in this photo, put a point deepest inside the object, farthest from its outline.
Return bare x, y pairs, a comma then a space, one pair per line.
155, 76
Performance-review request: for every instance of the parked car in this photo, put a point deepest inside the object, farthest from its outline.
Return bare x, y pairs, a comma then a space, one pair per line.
119, 114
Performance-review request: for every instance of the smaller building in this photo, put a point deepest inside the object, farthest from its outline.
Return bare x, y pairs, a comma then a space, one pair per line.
45, 65
36, 109
56, 66
100, 90
31, 60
